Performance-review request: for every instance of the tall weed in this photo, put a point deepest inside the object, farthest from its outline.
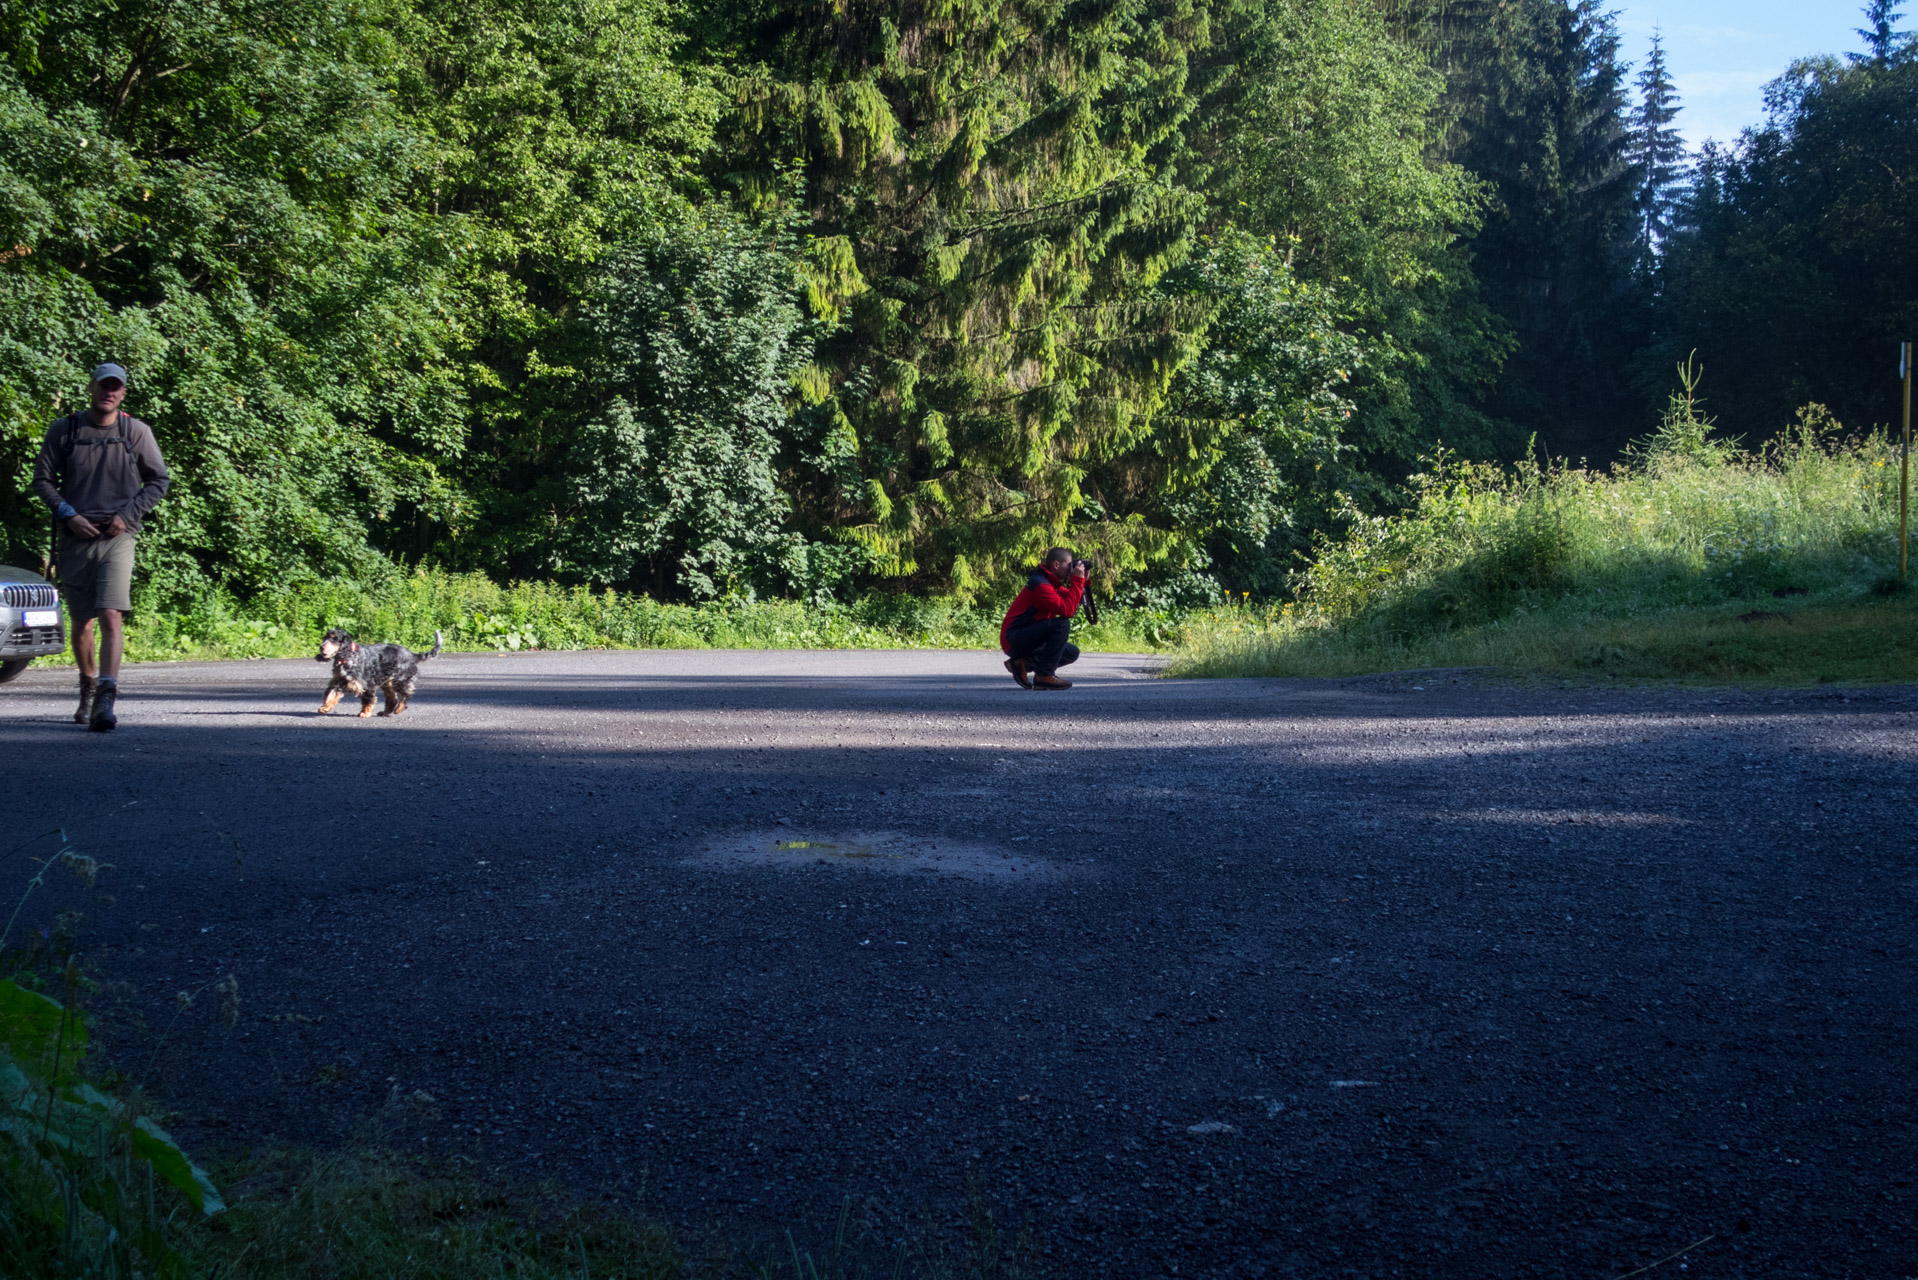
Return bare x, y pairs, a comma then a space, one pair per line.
1478, 543
1519, 567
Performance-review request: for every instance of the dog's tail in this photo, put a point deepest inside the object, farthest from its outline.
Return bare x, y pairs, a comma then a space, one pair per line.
438, 641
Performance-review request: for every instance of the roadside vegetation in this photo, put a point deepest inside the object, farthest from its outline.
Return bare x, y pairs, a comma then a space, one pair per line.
767, 324
1692, 561
478, 615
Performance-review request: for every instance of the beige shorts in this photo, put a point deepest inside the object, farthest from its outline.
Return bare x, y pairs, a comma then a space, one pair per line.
97, 573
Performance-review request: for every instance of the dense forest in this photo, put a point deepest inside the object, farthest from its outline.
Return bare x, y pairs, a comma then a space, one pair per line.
770, 297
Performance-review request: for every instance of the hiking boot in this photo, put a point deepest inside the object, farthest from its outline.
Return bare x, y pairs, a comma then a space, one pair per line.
1050, 682
103, 717
1019, 672
85, 711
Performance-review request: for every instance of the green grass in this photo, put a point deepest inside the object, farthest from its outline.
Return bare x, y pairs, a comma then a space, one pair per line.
1649, 573
1850, 642
370, 1213
477, 614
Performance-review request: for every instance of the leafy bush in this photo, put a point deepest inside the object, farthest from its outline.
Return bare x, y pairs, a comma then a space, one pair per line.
1245, 450
674, 487
232, 225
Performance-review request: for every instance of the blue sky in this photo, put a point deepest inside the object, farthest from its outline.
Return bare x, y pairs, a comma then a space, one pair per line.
1722, 52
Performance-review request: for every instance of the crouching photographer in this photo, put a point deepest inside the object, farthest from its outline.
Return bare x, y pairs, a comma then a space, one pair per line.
1036, 633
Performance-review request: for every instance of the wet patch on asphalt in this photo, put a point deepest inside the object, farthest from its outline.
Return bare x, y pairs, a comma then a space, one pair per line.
880, 852
1570, 817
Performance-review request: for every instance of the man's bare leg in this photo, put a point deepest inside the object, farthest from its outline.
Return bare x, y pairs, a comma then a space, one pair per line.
110, 627
83, 647
113, 639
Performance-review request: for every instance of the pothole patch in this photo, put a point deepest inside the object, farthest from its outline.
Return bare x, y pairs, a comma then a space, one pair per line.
1571, 817
880, 852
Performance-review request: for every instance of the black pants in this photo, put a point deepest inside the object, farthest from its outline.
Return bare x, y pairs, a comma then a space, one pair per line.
1042, 644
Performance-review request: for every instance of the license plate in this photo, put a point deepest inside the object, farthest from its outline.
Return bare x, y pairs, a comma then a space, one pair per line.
40, 618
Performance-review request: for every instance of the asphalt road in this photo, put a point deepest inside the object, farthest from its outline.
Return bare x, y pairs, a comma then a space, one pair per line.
1227, 979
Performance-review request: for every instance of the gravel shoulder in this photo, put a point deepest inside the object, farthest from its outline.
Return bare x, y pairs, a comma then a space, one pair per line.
1233, 978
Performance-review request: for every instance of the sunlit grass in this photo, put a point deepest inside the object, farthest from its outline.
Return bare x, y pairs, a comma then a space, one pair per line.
1850, 642
1658, 571
477, 614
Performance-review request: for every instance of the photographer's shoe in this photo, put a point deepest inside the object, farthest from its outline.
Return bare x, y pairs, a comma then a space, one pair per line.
1019, 672
85, 711
1050, 682
103, 719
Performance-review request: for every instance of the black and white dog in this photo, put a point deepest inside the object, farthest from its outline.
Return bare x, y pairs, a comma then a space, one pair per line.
369, 670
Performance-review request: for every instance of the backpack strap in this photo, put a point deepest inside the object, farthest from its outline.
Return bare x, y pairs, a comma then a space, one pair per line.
120, 423
72, 424
120, 420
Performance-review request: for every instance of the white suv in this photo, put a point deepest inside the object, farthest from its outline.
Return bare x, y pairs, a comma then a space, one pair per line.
30, 622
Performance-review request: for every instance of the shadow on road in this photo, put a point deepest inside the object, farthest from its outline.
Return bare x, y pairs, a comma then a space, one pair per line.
1478, 981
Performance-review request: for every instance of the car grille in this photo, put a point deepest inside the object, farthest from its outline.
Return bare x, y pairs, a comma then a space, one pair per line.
28, 595
32, 637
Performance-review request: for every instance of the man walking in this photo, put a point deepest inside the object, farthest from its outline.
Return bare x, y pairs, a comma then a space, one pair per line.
101, 473
1036, 630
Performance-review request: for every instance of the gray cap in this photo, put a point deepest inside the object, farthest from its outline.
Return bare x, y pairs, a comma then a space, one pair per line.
106, 371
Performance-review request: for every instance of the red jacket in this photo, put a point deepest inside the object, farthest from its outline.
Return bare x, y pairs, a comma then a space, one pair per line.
1043, 598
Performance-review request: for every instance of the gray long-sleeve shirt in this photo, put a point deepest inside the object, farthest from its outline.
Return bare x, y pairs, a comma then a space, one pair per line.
95, 474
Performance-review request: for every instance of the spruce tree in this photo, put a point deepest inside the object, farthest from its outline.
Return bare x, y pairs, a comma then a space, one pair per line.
1658, 151
1882, 40
991, 195
1538, 110
1792, 274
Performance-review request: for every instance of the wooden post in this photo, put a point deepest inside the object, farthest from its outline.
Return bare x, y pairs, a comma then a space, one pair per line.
1904, 467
